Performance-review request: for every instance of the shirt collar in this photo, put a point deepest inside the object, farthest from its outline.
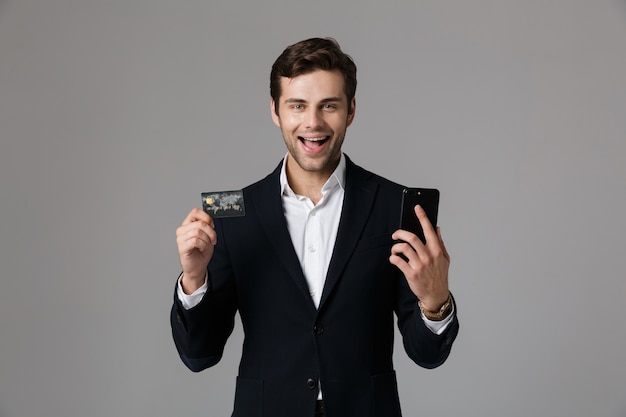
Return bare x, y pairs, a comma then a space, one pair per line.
338, 177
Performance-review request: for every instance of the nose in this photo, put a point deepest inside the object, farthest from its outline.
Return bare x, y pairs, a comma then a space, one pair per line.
314, 119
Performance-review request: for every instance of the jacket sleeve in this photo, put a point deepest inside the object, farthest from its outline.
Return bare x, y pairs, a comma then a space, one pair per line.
423, 346
200, 333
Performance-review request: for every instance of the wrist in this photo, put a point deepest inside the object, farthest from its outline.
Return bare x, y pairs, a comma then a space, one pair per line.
191, 282
436, 313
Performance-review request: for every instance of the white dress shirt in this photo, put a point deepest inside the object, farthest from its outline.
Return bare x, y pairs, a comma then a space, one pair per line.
313, 228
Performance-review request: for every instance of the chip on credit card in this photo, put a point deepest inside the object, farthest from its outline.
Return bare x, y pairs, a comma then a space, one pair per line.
223, 203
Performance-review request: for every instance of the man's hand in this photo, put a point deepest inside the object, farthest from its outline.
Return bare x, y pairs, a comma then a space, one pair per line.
196, 239
425, 266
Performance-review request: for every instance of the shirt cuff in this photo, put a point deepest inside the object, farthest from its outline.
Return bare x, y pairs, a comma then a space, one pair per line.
193, 299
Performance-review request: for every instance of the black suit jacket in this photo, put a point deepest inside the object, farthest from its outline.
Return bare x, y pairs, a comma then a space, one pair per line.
290, 347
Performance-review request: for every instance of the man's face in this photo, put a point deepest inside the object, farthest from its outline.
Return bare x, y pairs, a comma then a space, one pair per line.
313, 117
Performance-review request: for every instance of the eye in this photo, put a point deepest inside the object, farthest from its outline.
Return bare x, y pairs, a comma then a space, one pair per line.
329, 106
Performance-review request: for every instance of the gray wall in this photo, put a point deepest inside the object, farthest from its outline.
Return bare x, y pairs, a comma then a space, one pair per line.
115, 115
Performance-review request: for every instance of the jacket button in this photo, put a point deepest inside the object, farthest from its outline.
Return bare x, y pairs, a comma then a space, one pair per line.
318, 329
311, 383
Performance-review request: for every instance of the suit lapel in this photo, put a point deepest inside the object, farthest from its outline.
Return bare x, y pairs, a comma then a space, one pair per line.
266, 202
358, 200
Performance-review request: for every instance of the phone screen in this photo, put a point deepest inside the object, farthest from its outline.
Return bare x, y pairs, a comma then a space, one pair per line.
428, 198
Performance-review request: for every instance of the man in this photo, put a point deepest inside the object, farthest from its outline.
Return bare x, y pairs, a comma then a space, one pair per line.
312, 267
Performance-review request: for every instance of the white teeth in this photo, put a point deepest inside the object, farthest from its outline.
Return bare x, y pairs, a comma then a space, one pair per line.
315, 139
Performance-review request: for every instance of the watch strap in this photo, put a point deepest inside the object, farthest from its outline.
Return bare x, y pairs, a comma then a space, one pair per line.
437, 315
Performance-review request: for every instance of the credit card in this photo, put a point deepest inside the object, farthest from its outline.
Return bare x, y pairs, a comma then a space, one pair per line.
223, 203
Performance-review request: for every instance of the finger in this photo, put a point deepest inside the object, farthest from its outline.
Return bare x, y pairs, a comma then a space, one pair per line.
198, 215
443, 245
401, 263
405, 253
427, 227
190, 246
411, 238
198, 236
209, 230
196, 226
192, 239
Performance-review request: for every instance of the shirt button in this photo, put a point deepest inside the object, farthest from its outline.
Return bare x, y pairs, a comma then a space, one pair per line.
318, 329
311, 248
311, 383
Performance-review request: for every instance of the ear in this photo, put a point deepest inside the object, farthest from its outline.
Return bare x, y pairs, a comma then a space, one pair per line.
352, 111
275, 116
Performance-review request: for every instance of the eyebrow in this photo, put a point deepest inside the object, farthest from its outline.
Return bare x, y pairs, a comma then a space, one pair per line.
301, 100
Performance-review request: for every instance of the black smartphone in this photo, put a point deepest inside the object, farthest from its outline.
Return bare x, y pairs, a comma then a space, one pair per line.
428, 198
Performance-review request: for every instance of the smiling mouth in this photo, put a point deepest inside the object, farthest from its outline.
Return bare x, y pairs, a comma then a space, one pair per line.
313, 142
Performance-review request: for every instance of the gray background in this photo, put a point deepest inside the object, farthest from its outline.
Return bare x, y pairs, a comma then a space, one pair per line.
115, 115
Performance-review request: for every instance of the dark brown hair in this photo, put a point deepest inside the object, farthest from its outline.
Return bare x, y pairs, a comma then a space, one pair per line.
312, 55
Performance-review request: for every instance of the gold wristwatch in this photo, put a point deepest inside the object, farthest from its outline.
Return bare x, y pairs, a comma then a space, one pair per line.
437, 315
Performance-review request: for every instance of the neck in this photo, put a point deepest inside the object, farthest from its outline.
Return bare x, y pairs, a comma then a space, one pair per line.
307, 183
